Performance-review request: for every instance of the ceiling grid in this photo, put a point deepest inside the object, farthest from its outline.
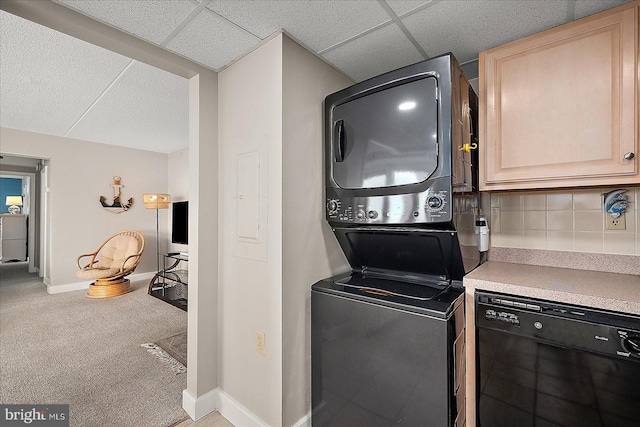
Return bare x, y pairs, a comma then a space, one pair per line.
52, 83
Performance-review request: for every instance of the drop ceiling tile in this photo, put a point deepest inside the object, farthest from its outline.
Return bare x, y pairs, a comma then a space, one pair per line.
49, 78
383, 50
589, 7
152, 20
319, 24
146, 108
400, 7
212, 41
469, 27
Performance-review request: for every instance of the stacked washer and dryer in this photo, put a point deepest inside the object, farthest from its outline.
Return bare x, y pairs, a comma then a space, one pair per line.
402, 200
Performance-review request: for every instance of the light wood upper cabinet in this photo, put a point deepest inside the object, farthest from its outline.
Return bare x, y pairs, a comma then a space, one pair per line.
560, 108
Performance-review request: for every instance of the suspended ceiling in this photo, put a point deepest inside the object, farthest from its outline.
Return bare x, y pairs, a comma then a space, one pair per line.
54, 84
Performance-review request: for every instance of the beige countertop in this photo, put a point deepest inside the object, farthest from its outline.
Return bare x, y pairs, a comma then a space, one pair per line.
609, 291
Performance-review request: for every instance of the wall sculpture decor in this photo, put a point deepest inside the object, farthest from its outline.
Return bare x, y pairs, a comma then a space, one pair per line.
116, 206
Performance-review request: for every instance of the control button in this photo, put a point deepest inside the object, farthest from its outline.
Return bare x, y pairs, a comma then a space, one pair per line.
372, 214
537, 325
416, 214
360, 214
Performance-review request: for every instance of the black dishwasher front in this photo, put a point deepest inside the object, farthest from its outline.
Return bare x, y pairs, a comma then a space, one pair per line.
541, 363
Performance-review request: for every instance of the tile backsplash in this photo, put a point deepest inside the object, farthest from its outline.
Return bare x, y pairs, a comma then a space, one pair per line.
565, 220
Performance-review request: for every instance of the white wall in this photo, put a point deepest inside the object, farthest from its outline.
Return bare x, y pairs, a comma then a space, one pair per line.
250, 291
80, 172
310, 250
270, 107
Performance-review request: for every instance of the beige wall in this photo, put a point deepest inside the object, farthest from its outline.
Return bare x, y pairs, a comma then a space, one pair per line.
202, 337
270, 106
310, 251
250, 291
80, 172
566, 220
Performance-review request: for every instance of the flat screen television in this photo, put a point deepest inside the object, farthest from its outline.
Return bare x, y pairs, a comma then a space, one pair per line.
180, 223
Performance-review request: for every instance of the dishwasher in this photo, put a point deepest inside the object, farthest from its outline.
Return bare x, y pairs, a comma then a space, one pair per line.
542, 363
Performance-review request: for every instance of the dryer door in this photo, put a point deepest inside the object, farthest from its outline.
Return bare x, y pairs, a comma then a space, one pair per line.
387, 138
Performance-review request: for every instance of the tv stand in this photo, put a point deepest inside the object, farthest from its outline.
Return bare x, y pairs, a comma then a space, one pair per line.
170, 284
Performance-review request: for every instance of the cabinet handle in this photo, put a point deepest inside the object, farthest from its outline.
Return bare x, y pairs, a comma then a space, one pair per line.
629, 155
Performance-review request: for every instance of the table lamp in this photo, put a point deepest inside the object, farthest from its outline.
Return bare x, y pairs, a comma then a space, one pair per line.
14, 203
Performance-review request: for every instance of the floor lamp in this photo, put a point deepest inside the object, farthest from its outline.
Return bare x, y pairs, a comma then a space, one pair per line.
157, 202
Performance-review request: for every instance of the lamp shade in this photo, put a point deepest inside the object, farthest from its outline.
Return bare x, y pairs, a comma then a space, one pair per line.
156, 201
14, 201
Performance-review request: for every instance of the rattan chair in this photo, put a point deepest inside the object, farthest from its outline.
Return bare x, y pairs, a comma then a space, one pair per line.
116, 258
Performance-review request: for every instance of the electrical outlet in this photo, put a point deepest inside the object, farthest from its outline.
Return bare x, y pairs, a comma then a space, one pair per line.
611, 223
260, 347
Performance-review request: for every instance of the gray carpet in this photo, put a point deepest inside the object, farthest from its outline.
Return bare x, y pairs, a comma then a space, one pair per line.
69, 349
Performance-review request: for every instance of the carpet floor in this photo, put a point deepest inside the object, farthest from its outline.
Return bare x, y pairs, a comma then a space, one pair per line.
69, 349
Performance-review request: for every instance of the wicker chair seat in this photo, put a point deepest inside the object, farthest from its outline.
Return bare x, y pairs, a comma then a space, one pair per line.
116, 258
97, 273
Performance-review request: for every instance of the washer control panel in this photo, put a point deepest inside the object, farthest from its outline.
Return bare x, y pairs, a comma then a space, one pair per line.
427, 207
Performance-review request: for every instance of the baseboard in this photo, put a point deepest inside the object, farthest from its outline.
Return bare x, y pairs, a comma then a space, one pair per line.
304, 421
142, 276
237, 414
58, 289
67, 287
228, 407
203, 405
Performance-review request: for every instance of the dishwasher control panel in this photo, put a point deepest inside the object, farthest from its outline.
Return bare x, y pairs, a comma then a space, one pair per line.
558, 324
502, 316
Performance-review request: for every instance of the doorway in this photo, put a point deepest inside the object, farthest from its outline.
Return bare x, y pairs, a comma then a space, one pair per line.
29, 176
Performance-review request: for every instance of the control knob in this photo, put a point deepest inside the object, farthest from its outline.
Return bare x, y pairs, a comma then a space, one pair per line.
372, 214
631, 344
435, 203
360, 214
333, 206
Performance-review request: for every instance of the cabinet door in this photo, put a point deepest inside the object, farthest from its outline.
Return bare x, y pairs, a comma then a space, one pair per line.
461, 132
559, 108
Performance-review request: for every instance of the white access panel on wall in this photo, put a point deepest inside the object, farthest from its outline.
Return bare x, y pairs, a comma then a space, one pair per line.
248, 197
250, 209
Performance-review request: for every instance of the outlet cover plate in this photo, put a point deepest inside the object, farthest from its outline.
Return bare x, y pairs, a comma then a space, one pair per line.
611, 223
